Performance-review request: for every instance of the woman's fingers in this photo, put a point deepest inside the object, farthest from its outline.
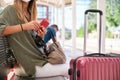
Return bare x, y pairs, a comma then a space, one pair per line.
36, 25
41, 32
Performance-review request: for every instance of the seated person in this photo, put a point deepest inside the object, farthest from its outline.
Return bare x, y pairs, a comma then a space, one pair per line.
18, 23
50, 34
53, 28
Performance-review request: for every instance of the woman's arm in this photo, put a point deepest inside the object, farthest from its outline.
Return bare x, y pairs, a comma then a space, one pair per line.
33, 25
11, 29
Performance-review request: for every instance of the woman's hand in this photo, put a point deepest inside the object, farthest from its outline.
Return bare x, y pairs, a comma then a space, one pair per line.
32, 25
41, 31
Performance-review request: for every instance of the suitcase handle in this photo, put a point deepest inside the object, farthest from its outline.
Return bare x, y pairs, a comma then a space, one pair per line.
85, 28
94, 11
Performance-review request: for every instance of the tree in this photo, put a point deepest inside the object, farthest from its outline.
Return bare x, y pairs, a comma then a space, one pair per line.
113, 13
91, 21
80, 32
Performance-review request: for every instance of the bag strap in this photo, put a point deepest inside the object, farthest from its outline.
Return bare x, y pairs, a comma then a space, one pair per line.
51, 33
53, 39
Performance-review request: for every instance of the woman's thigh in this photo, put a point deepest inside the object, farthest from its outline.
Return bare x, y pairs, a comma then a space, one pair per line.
52, 70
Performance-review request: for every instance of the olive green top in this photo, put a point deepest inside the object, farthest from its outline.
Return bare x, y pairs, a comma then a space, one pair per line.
22, 43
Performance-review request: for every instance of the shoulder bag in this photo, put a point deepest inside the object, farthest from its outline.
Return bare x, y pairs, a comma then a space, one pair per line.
56, 54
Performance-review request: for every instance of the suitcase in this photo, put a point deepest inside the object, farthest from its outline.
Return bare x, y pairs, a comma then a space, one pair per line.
94, 66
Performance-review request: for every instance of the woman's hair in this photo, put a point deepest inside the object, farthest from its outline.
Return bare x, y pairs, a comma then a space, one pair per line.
31, 9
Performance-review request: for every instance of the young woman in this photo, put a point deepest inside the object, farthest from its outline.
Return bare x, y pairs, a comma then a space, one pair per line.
18, 23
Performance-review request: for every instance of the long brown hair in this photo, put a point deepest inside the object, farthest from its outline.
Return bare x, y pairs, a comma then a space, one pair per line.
31, 9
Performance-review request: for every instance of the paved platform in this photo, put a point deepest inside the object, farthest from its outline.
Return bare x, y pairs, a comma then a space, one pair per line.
68, 52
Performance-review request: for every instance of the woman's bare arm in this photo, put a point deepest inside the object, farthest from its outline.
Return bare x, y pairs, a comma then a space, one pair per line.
33, 25
11, 29
18, 28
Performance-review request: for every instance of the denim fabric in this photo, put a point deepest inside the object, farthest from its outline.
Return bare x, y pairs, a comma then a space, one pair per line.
48, 36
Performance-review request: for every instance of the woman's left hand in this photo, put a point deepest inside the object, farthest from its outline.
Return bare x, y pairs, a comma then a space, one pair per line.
41, 31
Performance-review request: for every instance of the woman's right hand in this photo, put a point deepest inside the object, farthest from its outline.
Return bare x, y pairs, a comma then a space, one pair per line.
32, 25
41, 32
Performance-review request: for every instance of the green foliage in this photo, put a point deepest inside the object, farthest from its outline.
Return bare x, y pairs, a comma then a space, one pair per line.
112, 13
80, 32
109, 34
93, 4
91, 26
112, 17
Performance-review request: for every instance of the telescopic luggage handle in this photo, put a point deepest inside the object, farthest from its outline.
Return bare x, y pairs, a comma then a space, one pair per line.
85, 28
94, 11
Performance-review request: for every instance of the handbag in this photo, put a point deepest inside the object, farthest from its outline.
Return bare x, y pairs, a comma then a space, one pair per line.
56, 54
7, 59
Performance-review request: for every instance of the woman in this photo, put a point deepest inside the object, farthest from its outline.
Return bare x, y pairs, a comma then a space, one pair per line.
18, 22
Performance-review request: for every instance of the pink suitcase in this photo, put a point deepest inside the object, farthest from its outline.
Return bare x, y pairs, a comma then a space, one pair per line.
95, 66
